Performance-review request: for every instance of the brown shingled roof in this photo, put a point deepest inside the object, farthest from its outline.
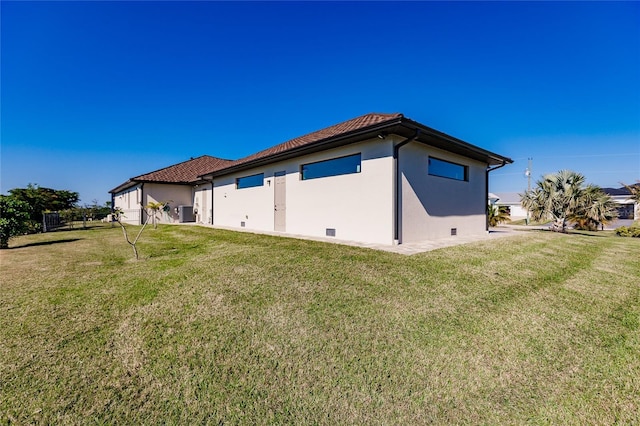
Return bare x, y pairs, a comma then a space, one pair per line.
182, 173
185, 172
343, 128
349, 131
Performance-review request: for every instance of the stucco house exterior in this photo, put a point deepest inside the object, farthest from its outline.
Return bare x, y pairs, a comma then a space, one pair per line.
377, 178
512, 201
174, 185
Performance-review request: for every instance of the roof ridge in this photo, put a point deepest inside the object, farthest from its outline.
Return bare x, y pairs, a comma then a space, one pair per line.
352, 124
180, 163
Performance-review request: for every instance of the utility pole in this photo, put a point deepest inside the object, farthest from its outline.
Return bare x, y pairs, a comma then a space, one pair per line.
527, 173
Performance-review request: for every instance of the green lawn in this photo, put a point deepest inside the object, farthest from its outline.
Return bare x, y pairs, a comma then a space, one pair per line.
213, 326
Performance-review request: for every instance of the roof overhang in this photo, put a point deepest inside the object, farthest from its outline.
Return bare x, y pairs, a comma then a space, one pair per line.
123, 186
134, 182
400, 126
437, 139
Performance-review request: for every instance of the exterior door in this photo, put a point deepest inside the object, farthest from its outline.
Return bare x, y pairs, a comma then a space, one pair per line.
280, 202
204, 211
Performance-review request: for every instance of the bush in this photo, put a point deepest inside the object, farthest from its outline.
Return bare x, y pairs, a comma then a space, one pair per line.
631, 231
14, 219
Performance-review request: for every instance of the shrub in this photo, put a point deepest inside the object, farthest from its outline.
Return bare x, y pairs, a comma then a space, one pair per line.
631, 231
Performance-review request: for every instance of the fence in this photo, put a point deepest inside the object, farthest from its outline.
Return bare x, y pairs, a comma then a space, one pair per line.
132, 216
51, 221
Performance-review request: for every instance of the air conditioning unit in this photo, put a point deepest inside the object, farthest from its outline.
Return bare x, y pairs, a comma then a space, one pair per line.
185, 214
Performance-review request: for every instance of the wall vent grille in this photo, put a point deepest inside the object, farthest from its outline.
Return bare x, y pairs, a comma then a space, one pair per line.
331, 232
454, 231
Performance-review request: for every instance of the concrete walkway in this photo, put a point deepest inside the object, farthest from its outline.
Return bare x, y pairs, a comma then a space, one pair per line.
406, 249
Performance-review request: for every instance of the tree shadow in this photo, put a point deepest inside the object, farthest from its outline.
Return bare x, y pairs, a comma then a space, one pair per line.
586, 233
46, 243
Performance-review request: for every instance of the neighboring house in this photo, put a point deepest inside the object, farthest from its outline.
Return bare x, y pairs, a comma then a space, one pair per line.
627, 207
174, 185
512, 201
378, 178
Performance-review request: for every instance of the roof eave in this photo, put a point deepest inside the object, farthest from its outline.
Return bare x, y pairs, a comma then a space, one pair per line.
437, 139
126, 185
133, 182
320, 145
401, 126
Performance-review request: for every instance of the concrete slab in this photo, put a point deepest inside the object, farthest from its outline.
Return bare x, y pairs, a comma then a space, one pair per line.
406, 249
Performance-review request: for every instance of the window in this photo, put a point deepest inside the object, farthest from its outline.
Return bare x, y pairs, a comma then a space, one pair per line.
333, 167
250, 181
447, 169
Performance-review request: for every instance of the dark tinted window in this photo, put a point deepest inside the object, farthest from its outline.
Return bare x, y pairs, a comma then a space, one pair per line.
250, 181
333, 167
447, 169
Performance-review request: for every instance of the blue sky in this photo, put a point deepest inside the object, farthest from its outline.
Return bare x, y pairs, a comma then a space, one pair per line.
94, 93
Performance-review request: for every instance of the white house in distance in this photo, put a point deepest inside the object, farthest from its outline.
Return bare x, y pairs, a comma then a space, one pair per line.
377, 178
174, 185
511, 200
627, 207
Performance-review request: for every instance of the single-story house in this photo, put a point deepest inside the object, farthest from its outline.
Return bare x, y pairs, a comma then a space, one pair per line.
512, 201
174, 185
627, 207
377, 178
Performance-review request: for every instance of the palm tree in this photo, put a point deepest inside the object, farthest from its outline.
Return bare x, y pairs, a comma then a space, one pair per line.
556, 196
634, 190
595, 208
155, 207
497, 214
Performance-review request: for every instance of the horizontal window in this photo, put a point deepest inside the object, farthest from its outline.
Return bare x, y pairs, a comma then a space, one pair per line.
333, 167
447, 169
250, 181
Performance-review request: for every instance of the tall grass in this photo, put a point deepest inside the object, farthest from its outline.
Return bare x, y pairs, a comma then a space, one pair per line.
213, 326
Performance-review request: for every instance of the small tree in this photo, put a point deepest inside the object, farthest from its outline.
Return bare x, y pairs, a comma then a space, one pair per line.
594, 208
155, 207
634, 190
118, 215
497, 214
14, 219
556, 196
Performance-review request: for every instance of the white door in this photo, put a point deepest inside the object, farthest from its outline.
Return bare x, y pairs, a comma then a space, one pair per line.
280, 202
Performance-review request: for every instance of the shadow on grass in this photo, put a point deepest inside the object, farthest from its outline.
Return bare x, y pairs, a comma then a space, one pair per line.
93, 227
46, 243
589, 233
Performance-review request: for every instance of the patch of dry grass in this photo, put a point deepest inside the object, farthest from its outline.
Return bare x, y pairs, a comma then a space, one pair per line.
216, 326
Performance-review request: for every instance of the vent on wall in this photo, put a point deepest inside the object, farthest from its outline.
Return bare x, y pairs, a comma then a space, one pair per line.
454, 231
331, 232
242, 224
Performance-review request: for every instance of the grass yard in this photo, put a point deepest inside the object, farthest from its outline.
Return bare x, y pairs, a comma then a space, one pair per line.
213, 326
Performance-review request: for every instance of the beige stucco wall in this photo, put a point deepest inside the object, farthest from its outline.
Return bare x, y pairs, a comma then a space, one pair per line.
202, 204
129, 202
358, 206
175, 195
432, 205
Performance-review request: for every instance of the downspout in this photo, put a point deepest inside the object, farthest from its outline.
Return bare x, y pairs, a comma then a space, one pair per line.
486, 184
142, 203
209, 220
212, 221
398, 178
